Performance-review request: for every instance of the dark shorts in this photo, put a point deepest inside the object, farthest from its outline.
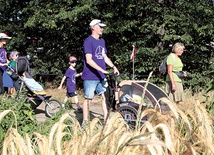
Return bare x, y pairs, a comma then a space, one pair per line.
71, 94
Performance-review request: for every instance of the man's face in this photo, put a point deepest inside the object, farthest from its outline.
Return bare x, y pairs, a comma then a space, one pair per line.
98, 29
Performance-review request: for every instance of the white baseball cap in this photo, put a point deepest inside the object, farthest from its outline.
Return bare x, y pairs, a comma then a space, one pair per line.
4, 36
97, 22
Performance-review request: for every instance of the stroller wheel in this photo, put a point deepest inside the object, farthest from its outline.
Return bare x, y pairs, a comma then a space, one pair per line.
52, 107
129, 114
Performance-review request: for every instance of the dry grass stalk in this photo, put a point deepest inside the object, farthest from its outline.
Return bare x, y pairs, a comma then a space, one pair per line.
142, 102
154, 148
181, 131
42, 145
57, 132
5, 112
15, 144
205, 132
29, 145
172, 106
167, 136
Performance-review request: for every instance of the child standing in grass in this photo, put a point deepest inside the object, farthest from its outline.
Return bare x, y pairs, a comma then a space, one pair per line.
70, 77
12, 64
7, 80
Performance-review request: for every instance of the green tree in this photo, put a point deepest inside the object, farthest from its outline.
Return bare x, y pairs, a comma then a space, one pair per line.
60, 27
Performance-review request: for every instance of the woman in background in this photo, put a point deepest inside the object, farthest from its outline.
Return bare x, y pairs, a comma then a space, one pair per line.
174, 86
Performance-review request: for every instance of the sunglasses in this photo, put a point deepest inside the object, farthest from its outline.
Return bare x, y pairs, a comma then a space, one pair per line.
73, 62
101, 27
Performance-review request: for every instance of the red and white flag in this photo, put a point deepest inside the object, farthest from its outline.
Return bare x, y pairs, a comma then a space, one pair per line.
133, 52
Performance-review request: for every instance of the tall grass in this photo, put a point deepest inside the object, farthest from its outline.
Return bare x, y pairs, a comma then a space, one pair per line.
180, 131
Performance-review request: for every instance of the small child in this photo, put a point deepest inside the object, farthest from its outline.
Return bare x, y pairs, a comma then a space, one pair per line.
70, 76
8, 82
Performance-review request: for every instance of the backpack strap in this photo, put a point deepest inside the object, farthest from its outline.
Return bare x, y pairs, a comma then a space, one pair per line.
173, 56
174, 60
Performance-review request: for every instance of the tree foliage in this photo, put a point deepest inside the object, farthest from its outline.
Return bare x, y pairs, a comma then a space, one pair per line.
60, 27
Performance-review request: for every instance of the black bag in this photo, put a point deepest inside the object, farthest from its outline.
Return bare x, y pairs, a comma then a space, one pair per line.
180, 74
163, 67
12, 74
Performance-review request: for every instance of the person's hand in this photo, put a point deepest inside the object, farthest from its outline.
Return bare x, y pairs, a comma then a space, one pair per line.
59, 87
185, 74
116, 71
174, 86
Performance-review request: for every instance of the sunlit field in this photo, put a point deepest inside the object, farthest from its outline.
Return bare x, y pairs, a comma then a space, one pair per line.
186, 129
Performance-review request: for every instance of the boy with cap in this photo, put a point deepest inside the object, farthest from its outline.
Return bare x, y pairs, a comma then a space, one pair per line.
95, 59
70, 77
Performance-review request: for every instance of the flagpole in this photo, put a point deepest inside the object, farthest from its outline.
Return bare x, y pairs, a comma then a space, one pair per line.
133, 69
132, 58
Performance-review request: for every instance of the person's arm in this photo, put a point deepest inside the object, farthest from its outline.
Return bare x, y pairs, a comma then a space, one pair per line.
110, 64
170, 68
62, 81
93, 64
3, 64
78, 74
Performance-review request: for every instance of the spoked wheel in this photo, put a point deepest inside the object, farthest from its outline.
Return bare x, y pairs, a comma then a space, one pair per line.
52, 107
129, 115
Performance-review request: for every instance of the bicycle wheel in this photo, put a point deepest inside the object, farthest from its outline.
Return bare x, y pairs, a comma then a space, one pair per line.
52, 107
129, 114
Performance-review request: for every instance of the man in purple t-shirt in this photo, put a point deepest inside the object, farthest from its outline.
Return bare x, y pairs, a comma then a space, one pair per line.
95, 60
3, 58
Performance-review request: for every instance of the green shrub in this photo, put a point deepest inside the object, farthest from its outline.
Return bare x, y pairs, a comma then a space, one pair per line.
25, 120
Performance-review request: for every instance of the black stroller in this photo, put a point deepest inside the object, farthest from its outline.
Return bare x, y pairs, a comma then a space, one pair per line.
126, 96
31, 90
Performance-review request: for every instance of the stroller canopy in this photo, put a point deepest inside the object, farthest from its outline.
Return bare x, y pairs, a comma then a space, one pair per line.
22, 65
134, 89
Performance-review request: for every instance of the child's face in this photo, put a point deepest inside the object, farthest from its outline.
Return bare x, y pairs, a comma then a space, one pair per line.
73, 64
15, 56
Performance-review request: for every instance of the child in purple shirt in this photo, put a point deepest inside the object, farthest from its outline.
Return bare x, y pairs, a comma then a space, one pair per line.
70, 77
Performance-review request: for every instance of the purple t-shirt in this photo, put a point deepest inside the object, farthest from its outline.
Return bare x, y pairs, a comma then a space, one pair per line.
70, 80
97, 48
3, 58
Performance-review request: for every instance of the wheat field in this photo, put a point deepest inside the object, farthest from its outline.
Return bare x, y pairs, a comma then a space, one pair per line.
186, 129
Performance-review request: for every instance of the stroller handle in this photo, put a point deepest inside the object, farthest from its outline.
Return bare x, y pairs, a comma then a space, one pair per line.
117, 75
